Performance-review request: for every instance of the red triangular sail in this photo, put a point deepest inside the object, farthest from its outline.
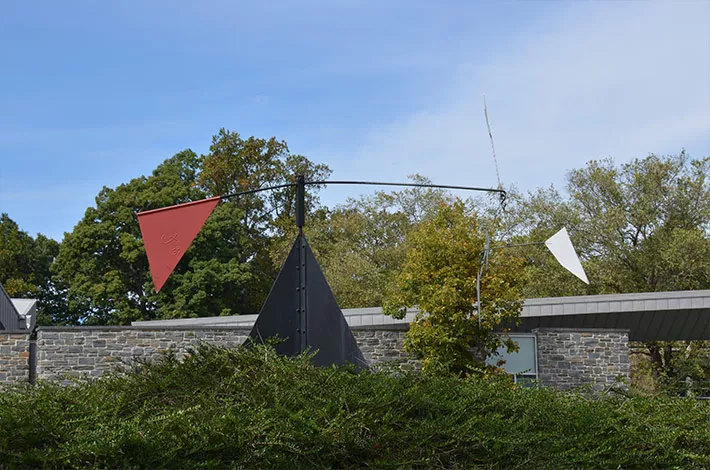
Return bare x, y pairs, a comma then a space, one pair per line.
168, 232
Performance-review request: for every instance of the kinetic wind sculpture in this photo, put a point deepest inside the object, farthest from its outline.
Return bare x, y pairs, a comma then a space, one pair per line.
300, 309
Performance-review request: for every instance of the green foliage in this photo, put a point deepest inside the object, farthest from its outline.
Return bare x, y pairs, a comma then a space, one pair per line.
439, 276
675, 368
235, 164
16, 259
25, 268
226, 270
360, 245
689, 370
642, 226
254, 409
103, 259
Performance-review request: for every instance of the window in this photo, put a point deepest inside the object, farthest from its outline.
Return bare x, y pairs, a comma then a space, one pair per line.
522, 365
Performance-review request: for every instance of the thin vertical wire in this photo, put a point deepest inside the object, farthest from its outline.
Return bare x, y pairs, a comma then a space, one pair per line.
493, 147
501, 208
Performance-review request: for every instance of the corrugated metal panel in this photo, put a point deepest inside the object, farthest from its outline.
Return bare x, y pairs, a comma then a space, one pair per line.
696, 325
613, 320
654, 326
641, 330
576, 321
623, 321
705, 329
635, 323
670, 322
618, 298
674, 325
588, 321
599, 321
535, 323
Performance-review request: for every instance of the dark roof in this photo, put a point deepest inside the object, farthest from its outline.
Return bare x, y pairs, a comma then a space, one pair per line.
13, 320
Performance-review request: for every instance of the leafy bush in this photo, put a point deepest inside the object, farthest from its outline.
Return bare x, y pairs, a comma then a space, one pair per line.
251, 408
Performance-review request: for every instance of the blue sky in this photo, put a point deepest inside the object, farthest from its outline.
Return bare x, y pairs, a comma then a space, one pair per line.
96, 93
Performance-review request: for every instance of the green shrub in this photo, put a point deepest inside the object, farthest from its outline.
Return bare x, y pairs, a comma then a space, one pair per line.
246, 408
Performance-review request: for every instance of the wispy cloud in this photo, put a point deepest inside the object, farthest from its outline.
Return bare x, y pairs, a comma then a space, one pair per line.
619, 78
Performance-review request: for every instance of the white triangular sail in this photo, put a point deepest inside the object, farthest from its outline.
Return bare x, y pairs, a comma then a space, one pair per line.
561, 247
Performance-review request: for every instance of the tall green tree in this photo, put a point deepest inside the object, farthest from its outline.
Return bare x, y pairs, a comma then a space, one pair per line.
443, 256
226, 270
642, 226
103, 260
235, 164
25, 268
16, 259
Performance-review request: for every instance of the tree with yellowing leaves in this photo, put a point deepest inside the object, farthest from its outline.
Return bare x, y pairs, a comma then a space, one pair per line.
439, 277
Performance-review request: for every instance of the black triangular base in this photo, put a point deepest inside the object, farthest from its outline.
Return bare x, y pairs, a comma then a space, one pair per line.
302, 310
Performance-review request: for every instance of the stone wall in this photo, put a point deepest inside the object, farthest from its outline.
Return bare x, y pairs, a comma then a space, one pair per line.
67, 352
14, 358
570, 358
566, 358
384, 344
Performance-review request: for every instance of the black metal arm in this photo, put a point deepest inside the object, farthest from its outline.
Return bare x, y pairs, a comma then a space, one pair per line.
301, 184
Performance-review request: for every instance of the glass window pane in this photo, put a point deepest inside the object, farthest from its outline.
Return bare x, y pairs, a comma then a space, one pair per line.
522, 361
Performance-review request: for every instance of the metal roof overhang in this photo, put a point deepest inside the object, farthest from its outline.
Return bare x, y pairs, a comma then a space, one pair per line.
653, 316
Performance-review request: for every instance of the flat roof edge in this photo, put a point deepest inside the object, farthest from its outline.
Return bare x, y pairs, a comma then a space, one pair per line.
142, 328
579, 330
617, 297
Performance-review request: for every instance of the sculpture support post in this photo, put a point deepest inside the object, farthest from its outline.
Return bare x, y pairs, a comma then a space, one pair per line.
302, 331
302, 293
478, 296
300, 202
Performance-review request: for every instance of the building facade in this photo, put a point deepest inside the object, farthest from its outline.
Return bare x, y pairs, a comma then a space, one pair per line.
565, 343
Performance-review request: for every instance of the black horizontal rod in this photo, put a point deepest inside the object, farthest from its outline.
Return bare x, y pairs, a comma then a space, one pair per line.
518, 244
258, 190
369, 183
301, 183
414, 185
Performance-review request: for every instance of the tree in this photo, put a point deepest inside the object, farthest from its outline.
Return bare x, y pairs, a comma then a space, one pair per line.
25, 268
443, 256
226, 270
642, 226
16, 263
235, 164
103, 260
639, 227
360, 244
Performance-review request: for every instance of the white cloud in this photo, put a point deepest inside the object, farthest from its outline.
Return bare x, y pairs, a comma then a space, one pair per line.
616, 78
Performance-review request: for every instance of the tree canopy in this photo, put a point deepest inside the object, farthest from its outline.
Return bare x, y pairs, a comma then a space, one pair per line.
25, 268
361, 244
226, 270
638, 227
